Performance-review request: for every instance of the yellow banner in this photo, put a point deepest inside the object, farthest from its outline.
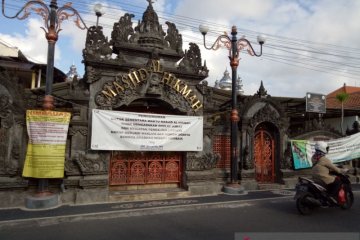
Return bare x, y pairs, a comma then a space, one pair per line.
45, 154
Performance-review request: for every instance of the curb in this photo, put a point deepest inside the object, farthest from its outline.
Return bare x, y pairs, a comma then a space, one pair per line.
46, 221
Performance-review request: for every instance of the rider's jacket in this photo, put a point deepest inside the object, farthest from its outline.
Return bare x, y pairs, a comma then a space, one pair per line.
321, 170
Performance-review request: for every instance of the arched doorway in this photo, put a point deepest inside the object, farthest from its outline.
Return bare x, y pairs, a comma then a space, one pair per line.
147, 169
264, 152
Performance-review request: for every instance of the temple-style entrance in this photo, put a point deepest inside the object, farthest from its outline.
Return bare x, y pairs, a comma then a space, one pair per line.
264, 154
138, 168
142, 167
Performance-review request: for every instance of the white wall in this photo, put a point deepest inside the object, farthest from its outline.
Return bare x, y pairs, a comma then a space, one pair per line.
6, 51
336, 122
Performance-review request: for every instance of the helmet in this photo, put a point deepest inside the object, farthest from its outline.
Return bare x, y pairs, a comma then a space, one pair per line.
321, 146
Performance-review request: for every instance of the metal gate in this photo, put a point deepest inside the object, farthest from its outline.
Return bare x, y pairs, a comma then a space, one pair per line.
264, 156
145, 168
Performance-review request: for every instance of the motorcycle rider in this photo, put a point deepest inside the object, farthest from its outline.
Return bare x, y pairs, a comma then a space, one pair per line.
322, 167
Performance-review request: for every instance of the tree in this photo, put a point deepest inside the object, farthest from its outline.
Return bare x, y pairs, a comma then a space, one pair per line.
342, 97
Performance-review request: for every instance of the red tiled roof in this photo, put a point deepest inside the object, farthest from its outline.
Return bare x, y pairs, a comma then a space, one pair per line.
353, 102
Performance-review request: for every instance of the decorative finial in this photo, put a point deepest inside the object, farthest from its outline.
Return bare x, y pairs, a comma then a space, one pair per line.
150, 2
262, 92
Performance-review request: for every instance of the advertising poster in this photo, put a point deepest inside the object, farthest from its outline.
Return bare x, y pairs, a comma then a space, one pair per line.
301, 151
45, 154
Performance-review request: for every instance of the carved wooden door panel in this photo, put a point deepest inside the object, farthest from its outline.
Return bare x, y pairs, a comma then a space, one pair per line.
145, 168
264, 156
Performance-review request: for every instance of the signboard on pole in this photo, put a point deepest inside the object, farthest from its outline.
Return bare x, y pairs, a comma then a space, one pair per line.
315, 102
340, 150
129, 131
45, 154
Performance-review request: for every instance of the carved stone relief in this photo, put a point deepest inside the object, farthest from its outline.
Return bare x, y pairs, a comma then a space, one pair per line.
92, 75
122, 30
79, 88
267, 113
87, 164
248, 163
192, 61
97, 45
174, 38
12, 117
208, 93
78, 129
204, 160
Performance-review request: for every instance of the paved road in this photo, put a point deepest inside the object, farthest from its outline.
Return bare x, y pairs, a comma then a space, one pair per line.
221, 222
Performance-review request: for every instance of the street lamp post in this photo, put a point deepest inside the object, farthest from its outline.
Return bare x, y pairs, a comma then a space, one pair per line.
235, 46
99, 11
53, 17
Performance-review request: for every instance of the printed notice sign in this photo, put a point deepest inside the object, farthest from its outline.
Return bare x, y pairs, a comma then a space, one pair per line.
45, 153
116, 130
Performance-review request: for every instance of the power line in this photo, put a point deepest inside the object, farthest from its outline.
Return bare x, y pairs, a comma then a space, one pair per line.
298, 51
189, 22
305, 66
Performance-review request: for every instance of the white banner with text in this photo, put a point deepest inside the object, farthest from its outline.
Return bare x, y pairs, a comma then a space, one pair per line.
128, 131
340, 150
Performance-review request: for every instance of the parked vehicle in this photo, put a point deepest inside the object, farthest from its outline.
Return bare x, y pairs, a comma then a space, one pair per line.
310, 195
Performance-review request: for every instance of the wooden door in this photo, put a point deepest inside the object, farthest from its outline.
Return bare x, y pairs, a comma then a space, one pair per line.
264, 156
145, 168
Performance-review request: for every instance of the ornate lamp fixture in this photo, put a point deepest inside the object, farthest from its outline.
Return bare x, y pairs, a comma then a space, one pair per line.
53, 16
235, 46
99, 11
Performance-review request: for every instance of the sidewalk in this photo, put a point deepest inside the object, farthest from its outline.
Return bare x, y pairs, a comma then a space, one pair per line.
69, 213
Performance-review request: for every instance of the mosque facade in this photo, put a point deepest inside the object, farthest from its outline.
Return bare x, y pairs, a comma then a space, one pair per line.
144, 69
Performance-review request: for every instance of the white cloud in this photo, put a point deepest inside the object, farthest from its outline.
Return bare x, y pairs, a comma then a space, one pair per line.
33, 43
226, 9
321, 21
326, 22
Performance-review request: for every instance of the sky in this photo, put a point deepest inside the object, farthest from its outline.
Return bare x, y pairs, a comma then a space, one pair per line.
311, 45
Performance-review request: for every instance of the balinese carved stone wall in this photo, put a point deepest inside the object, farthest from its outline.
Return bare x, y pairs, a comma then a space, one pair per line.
12, 132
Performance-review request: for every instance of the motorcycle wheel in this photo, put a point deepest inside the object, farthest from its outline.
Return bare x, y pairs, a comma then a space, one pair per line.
349, 200
301, 205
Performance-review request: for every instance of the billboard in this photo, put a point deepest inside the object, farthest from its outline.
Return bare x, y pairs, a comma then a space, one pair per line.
315, 102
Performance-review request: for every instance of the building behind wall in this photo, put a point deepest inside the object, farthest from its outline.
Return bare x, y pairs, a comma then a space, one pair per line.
28, 73
350, 105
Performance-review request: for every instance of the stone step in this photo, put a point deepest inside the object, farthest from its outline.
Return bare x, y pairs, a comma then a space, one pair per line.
270, 186
144, 187
147, 194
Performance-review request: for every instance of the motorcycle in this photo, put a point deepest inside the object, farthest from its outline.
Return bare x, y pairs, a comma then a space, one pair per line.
310, 195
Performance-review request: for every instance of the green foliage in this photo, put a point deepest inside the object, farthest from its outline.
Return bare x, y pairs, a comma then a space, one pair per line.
342, 97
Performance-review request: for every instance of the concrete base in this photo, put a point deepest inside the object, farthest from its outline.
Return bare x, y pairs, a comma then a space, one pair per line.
234, 189
204, 188
250, 184
42, 201
291, 182
95, 195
